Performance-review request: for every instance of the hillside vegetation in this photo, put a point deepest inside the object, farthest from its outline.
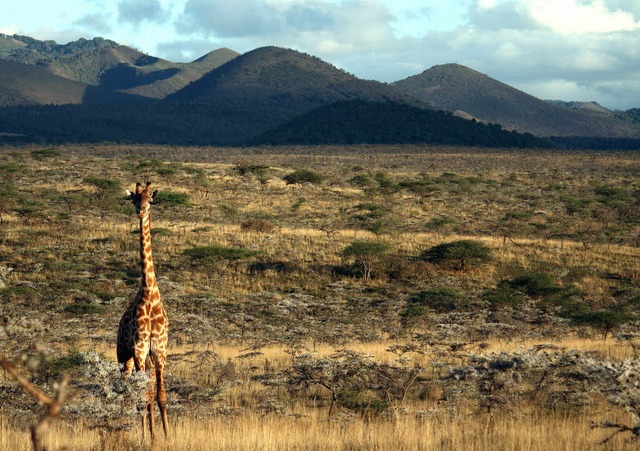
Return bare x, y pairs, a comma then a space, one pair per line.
252, 122
358, 122
344, 296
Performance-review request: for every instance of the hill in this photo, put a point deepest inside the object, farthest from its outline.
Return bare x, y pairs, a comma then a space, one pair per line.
282, 77
269, 86
105, 63
25, 85
362, 122
225, 98
453, 87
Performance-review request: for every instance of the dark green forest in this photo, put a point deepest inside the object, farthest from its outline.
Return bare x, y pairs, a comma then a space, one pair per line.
173, 123
358, 121
256, 123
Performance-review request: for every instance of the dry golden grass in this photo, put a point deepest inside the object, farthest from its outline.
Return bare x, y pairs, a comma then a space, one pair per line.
69, 242
309, 431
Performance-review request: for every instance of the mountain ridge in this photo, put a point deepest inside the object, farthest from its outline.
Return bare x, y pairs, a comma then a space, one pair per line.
107, 64
453, 87
240, 96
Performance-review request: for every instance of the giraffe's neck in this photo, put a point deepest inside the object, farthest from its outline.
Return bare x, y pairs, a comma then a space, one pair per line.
148, 273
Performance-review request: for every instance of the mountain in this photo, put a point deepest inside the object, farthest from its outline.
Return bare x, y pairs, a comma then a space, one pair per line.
457, 88
275, 95
268, 86
573, 105
35, 85
105, 63
279, 76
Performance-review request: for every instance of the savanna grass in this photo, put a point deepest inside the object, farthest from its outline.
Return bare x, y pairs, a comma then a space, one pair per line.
274, 282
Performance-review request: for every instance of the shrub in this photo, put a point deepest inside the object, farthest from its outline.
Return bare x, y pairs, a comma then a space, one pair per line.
303, 176
44, 153
53, 369
604, 320
109, 192
360, 181
503, 295
212, 255
104, 185
535, 285
243, 168
385, 184
84, 308
298, 203
440, 300
440, 223
257, 225
173, 198
458, 254
371, 217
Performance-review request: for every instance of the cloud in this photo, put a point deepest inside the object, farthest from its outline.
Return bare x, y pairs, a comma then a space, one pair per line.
9, 29
138, 11
352, 23
589, 42
224, 19
97, 23
186, 50
576, 16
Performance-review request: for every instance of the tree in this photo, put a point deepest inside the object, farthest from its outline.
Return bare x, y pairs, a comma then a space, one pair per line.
211, 255
368, 255
458, 254
605, 320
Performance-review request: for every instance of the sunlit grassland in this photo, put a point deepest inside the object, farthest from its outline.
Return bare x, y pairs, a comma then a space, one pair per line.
69, 265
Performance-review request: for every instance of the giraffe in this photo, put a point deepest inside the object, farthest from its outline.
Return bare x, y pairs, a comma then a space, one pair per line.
143, 329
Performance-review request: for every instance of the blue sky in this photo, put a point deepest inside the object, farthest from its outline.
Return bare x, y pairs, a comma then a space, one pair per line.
554, 49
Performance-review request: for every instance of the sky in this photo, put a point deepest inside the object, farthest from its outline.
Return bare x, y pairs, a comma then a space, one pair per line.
580, 50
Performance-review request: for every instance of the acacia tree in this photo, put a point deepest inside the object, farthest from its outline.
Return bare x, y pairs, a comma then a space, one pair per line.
368, 256
458, 254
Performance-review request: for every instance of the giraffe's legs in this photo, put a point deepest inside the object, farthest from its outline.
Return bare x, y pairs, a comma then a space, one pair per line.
162, 396
152, 381
128, 368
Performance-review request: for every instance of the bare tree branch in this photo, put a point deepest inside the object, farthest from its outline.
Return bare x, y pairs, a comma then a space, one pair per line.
53, 404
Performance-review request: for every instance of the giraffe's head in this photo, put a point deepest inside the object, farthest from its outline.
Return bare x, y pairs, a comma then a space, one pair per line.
142, 198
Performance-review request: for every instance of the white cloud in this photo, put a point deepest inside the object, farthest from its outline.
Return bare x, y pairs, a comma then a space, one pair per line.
487, 4
9, 29
138, 11
575, 16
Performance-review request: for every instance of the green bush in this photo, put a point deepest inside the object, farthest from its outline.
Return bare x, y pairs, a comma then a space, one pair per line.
213, 255
173, 198
458, 254
535, 285
303, 176
440, 300
244, 168
503, 295
83, 308
603, 320
440, 223
55, 368
360, 181
44, 153
104, 184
